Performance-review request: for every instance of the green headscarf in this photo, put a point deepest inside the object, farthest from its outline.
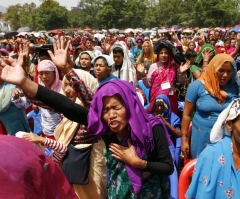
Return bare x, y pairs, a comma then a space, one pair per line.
196, 64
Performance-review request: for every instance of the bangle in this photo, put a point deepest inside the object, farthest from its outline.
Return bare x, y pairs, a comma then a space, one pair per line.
185, 135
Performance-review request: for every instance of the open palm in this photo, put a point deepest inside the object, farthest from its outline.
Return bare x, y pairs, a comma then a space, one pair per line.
13, 74
184, 67
60, 57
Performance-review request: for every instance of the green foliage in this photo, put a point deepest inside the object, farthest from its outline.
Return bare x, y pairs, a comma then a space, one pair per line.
50, 15
125, 13
20, 16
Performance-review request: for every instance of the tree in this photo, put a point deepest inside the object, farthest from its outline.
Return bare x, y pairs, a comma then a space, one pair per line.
75, 17
114, 14
26, 15
104, 17
13, 16
123, 14
20, 15
168, 12
50, 15
134, 12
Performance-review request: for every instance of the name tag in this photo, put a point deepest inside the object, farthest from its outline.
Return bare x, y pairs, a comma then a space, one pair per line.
165, 85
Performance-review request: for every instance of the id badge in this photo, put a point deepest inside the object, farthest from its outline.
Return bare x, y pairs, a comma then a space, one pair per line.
165, 85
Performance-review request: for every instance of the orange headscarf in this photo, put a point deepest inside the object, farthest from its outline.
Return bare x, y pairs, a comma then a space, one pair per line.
209, 78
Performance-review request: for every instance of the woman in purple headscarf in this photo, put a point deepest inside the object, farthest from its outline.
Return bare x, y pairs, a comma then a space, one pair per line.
137, 155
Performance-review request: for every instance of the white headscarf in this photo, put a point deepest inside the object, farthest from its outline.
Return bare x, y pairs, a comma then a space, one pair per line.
219, 128
128, 72
90, 53
108, 59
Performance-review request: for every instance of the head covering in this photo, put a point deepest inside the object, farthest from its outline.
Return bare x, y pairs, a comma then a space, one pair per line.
66, 129
4, 51
163, 100
171, 117
90, 82
128, 70
47, 65
229, 113
159, 46
6, 96
210, 80
199, 58
139, 38
192, 42
28, 172
140, 124
131, 45
90, 53
76, 58
108, 59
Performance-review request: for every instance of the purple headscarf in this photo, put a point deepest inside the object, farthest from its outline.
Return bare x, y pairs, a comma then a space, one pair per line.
140, 123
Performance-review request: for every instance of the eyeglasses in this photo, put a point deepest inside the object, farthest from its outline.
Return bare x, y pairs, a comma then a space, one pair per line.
222, 72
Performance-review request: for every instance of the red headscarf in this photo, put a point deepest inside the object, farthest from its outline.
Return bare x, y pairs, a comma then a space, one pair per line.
25, 172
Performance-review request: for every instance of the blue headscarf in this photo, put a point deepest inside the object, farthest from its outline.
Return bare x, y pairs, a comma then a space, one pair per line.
132, 50
171, 117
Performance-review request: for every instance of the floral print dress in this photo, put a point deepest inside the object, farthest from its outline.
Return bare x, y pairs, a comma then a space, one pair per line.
120, 187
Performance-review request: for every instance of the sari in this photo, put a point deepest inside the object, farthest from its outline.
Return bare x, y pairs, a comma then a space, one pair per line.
159, 75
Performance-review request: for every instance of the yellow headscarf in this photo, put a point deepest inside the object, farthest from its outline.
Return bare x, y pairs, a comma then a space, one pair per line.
66, 129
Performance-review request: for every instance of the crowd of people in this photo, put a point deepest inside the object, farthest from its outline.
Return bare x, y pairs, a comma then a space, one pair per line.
116, 111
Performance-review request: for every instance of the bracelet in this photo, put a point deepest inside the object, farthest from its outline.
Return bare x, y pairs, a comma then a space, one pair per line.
205, 61
185, 135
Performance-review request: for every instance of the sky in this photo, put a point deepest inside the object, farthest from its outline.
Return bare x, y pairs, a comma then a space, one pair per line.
68, 4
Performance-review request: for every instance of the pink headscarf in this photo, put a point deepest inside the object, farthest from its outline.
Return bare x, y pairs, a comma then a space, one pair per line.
47, 65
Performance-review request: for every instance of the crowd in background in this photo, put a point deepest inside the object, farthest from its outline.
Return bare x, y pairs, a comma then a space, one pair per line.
133, 103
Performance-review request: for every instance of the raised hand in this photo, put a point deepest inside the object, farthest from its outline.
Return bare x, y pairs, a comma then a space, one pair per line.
61, 57
13, 74
140, 68
208, 55
23, 54
106, 45
184, 67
